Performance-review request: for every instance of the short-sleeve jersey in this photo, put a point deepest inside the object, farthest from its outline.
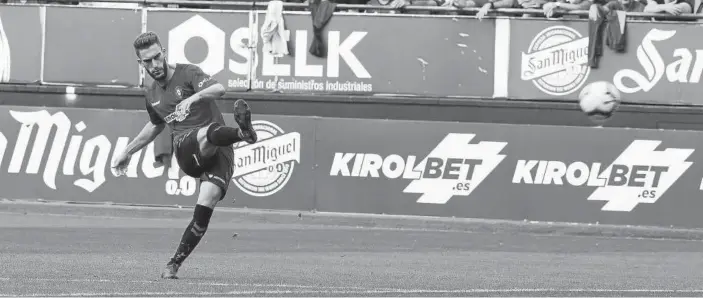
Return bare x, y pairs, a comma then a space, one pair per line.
161, 101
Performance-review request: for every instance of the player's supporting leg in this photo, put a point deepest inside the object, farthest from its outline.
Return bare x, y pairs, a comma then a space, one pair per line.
210, 194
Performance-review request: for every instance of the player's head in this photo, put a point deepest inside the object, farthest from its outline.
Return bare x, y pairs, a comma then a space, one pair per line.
151, 55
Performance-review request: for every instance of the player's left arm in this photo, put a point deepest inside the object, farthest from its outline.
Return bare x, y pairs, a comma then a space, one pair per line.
205, 87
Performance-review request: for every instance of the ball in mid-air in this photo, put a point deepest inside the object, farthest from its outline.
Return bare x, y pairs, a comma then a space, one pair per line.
599, 100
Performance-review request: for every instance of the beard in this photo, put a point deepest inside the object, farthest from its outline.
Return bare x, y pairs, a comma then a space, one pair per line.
159, 73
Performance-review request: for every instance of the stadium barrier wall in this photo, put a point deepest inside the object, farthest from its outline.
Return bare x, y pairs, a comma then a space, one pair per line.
516, 58
493, 171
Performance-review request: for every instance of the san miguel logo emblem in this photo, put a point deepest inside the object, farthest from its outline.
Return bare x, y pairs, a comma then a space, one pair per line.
556, 61
264, 168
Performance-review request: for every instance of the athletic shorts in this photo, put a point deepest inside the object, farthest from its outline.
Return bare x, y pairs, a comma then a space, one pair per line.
216, 169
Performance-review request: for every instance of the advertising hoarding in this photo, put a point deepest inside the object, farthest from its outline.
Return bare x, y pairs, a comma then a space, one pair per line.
660, 64
94, 48
65, 154
373, 56
20, 44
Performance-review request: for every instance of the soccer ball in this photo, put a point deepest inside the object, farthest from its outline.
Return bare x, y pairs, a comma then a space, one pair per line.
599, 100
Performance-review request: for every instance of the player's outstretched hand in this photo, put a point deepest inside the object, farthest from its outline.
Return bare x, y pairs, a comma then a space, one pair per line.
183, 108
120, 163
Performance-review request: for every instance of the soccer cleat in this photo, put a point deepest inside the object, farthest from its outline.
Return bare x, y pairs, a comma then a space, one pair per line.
242, 115
170, 271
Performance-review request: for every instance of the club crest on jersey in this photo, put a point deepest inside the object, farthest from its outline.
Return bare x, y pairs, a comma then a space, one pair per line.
179, 92
263, 168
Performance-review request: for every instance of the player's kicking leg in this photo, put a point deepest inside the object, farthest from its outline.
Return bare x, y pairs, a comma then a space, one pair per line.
216, 135
242, 115
213, 163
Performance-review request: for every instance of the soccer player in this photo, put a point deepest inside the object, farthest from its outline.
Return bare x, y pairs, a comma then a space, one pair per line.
182, 97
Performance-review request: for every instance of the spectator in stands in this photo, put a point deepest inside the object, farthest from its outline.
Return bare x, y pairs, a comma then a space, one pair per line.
401, 4
558, 7
625, 5
353, 2
673, 7
493, 4
551, 8
532, 4
485, 7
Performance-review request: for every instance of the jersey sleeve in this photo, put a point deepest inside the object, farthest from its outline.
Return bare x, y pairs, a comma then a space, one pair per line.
153, 116
198, 79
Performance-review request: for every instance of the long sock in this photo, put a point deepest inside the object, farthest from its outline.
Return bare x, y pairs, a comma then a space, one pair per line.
193, 233
219, 135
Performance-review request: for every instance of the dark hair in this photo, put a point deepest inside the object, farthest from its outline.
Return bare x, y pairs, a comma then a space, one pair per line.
146, 40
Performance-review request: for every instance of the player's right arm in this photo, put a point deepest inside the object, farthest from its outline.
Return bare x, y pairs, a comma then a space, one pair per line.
151, 130
146, 136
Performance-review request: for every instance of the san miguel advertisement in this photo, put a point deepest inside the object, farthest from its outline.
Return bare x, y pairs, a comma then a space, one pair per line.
661, 64
543, 173
65, 155
372, 56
